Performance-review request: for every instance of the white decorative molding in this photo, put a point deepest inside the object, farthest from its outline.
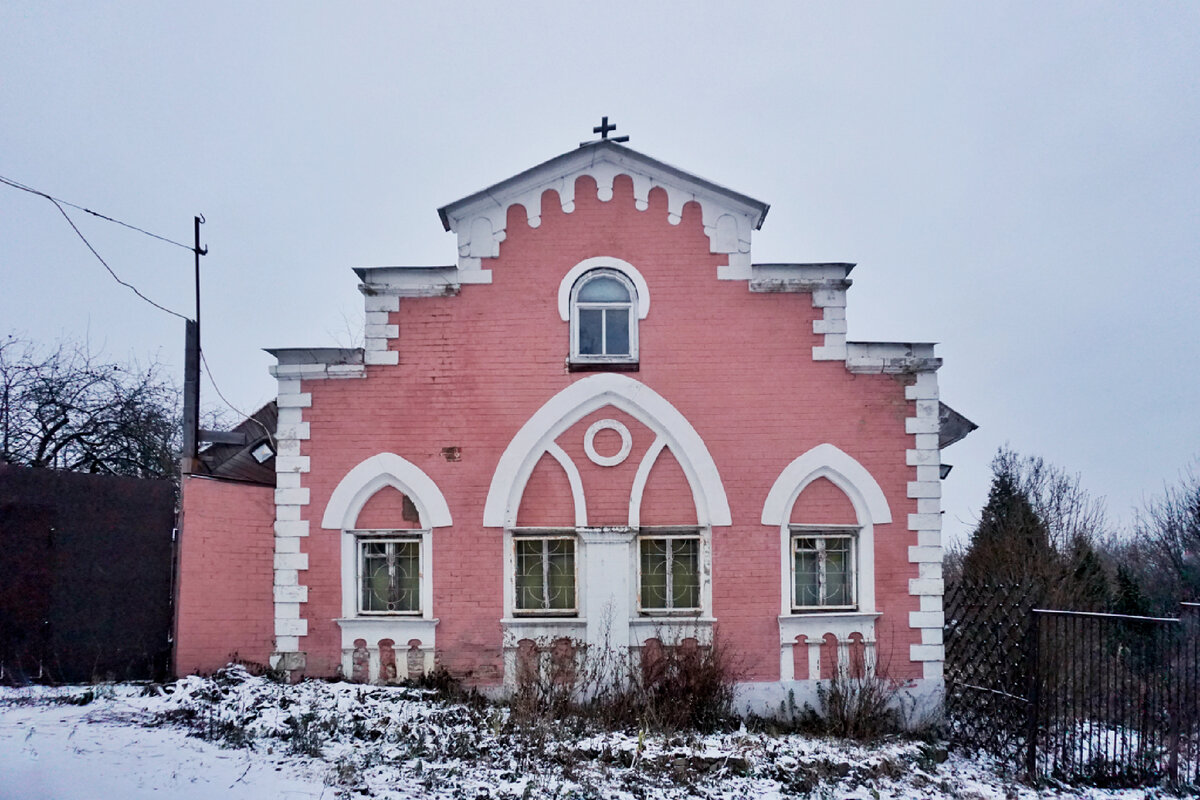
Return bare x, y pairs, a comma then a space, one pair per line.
577, 401
602, 262
639, 481
826, 461
480, 219
814, 627
870, 509
577, 496
341, 513
401, 630
371, 475
589, 443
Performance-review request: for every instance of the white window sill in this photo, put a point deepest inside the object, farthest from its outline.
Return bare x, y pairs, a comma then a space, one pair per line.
670, 630
815, 625
400, 629
542, 630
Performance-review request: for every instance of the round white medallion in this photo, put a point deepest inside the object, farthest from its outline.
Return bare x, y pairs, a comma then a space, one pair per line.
589, 440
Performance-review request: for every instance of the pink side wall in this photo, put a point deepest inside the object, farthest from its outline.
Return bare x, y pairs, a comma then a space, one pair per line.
226, 556
737, 365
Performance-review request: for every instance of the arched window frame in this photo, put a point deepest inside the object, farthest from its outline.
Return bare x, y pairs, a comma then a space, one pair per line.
631, 307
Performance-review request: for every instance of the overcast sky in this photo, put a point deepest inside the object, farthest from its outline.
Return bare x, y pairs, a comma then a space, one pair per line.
1019, 182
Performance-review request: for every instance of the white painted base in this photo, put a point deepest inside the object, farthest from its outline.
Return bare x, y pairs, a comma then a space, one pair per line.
919, 701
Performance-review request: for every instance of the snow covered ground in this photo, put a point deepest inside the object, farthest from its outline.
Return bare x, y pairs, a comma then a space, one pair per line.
245, 737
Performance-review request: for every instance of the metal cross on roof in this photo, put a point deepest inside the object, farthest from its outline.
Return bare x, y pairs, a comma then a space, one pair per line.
603, 129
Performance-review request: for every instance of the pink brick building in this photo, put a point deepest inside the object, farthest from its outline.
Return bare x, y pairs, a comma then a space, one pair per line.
602, 423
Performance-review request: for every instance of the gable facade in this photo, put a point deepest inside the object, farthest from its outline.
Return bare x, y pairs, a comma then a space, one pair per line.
602, 424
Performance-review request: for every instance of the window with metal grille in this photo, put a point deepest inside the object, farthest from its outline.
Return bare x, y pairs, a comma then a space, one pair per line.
389, 570
669, 578
823, 570
544, 575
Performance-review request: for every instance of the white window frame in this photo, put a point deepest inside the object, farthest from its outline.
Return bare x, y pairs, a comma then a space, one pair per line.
631, 308
822, 533
670, 610
519, 536
365, 537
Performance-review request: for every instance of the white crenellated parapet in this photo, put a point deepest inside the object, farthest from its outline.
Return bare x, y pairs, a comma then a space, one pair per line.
480, 220
928, 586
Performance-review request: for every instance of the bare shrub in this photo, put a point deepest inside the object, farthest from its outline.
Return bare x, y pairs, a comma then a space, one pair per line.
688, 686
863, 708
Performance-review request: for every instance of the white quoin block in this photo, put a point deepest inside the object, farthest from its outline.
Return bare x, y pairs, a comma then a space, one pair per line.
925, 586
924, 489
924, 522
921, 425
381, 302
290, 594
921, 458
291, 627
926, 619
300, 400
927, 652
291, 497
381, 357
917, 555
291, 561
287, 544
287, 644
288, 513
291, 528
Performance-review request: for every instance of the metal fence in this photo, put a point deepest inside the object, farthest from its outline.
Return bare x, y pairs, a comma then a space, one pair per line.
1115, 700
1078, 697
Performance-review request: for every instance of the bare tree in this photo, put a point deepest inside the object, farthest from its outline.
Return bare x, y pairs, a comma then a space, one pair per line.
1168, 542
66, 408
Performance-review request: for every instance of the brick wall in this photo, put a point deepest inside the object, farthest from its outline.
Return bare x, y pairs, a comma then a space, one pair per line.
226, 553
474, 367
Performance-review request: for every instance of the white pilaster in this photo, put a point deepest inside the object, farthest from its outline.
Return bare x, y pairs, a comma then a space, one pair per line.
604, 583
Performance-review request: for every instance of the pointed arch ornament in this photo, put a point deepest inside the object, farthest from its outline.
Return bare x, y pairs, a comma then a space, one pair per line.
581, 398
827, 461
373, 474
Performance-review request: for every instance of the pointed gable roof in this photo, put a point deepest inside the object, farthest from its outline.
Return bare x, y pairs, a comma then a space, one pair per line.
480, 218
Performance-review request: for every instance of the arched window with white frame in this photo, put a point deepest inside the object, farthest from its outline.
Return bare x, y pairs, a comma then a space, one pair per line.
604, 318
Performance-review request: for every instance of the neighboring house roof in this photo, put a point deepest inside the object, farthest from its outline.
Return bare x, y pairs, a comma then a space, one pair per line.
237, 462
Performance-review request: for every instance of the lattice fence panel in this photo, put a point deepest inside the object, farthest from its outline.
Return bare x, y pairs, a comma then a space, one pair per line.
987, 668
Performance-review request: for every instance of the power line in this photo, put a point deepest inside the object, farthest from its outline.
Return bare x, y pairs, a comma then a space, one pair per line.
59, 203
129, 286
58, 200
250, 417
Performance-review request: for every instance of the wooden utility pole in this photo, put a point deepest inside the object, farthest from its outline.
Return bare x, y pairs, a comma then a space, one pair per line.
191, 371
